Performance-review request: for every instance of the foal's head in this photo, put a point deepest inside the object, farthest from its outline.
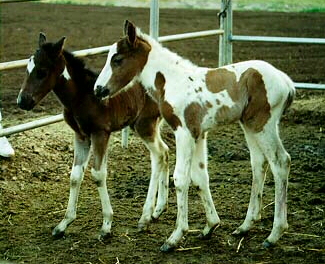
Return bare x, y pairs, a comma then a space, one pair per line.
125, 60
44, 69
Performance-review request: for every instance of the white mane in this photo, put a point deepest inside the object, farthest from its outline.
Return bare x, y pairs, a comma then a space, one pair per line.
172, 56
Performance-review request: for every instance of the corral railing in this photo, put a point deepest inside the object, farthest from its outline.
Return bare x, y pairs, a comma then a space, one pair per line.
226, 38
225, 49
154, 26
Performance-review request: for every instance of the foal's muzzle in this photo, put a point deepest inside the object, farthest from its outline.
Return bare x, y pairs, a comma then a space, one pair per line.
101, 91
25, 102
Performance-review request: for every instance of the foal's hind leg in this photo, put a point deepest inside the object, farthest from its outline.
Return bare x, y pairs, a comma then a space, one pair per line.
200, 178
81, 157
268, 141
99, 174
159, 179
279, 161
258, 163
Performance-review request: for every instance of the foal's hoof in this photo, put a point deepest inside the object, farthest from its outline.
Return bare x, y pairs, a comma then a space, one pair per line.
104, 236
239, 232
205, 237
166, 247
57, 233
267, 244
158, 212
208, 235
142, 227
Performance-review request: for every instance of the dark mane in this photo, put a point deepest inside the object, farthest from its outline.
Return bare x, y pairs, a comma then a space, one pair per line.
78, 65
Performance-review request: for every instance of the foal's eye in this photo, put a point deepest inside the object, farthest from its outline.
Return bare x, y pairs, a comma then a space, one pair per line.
41, 73
117, 60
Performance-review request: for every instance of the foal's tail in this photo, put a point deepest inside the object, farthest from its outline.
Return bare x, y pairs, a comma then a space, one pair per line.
291, 94
290, 98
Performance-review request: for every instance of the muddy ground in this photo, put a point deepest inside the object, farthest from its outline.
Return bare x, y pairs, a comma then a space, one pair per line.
34, 185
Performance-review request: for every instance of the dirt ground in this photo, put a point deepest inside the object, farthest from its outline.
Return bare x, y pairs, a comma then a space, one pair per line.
34, 185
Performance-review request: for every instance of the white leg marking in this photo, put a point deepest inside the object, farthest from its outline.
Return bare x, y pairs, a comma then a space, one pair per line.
258, 163
100, 178
162, 200
158, 182
99, 174
81, 157
279, 160
184, 154
200, 178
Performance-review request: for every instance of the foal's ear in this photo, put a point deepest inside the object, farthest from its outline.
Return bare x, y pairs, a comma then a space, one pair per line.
42, 39
130, 32
58, 47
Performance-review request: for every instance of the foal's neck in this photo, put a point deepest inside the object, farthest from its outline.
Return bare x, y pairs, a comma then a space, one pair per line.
169, 63
76, 83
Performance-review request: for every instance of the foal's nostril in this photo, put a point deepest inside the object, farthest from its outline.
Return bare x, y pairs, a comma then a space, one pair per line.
25, 102
99, 88
101, 91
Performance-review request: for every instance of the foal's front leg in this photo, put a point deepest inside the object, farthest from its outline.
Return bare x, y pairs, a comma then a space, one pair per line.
185, 145
200, 178
159, 179
81, 157
99, 174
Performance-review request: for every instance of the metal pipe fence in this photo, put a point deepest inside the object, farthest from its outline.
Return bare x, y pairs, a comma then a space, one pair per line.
82, 53
226, 38
226, 47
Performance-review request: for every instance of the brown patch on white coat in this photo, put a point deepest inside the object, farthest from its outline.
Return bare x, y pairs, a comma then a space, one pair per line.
192, 100
251, 105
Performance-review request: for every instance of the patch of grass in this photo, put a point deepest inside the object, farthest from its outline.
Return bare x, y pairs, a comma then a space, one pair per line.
256, 5
314, 10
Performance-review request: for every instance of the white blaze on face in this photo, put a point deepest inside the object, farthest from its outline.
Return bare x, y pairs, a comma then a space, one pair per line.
66, 74
106, 72
30, 65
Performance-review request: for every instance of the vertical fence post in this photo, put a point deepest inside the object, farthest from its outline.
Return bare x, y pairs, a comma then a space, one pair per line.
228, 33
225, 23
154, 19
221, 37
154, 32
125, 137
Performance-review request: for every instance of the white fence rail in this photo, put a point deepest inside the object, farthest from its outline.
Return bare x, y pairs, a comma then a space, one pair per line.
225, 54
226, 22
82, 53
278, 39
30, 125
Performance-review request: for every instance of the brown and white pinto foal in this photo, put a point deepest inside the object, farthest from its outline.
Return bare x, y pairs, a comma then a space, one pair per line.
93, 120
193, 99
